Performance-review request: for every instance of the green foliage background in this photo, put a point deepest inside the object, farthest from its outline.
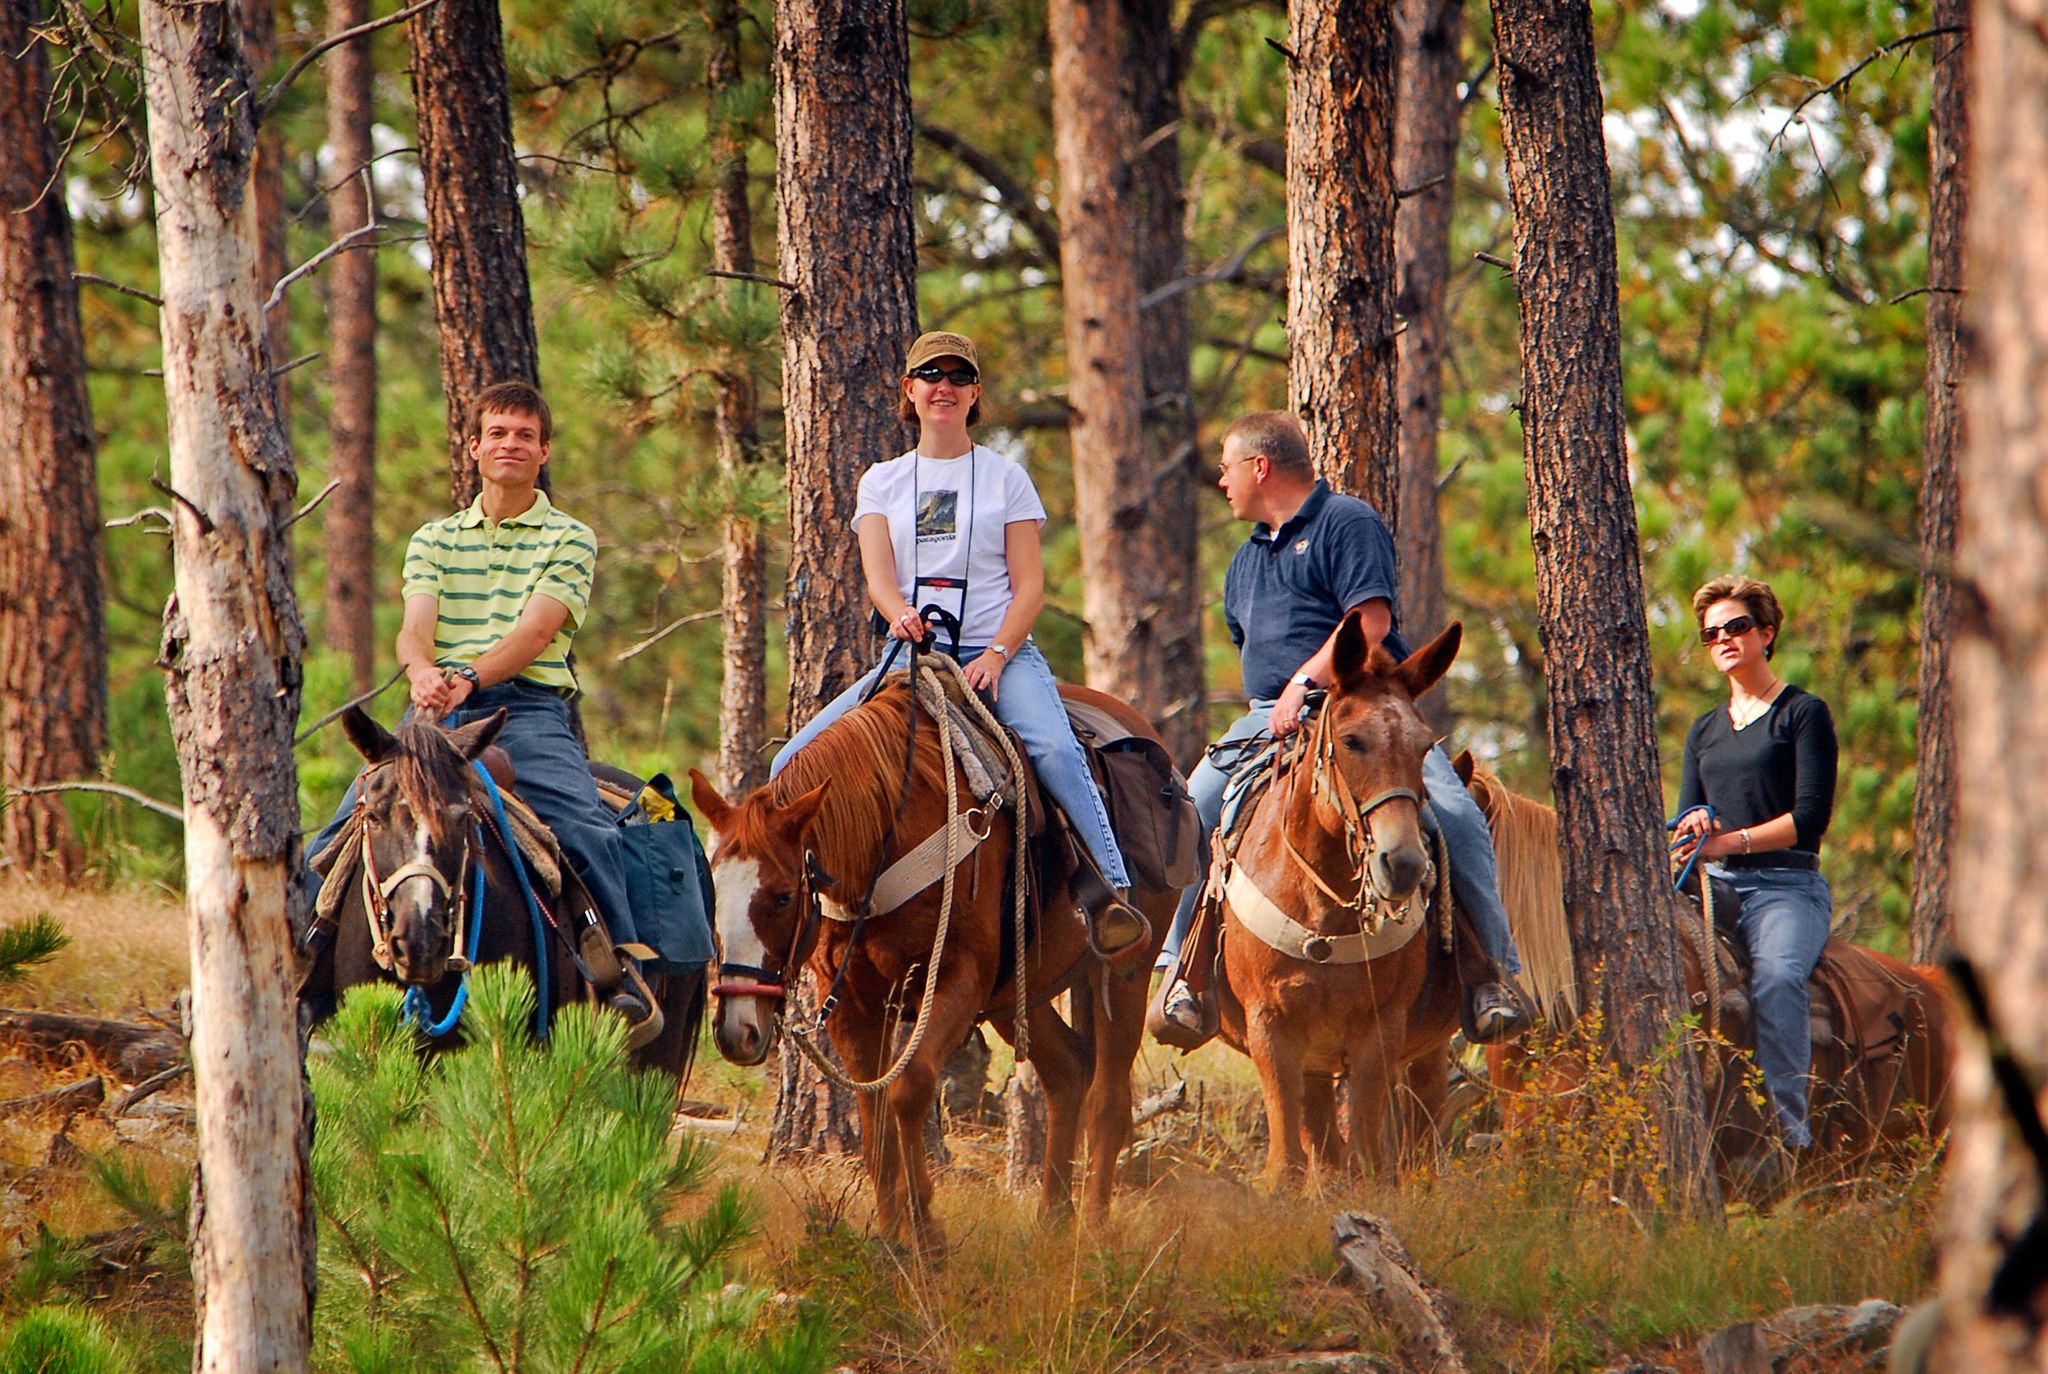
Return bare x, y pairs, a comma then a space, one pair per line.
1773, 386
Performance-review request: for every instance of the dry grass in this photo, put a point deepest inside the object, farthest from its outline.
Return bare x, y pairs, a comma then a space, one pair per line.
127, 953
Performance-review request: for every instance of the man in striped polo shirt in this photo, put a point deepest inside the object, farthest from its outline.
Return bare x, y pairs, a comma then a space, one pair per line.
493, 596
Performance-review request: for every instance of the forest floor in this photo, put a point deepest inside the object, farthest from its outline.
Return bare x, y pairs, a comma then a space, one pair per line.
1199, 1266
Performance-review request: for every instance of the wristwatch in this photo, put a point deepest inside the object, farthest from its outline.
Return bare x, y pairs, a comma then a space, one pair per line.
468, 670
999, 649
1301, 680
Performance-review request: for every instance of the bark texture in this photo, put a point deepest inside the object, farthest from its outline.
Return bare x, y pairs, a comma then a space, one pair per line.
849, 252
743, 694
1426, 119
231, 651
1170, 437
483, 304
53, 643
1589, 581
1934, 787
1340, 244
1131, 569
266, 191
2000, 666
349, 525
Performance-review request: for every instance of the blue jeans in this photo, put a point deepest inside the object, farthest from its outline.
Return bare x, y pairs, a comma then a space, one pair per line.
1786, 913
1475, 880
554, 779
1028, 701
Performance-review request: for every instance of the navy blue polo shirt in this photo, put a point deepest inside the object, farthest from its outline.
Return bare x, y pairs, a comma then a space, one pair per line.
1287, 589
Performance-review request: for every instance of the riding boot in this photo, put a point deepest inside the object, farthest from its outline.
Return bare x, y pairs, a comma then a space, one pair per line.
1116, 929
1489, 1010
1184, 1013
615, 978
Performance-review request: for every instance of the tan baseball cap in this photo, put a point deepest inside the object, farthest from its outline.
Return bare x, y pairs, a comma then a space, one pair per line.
940, 343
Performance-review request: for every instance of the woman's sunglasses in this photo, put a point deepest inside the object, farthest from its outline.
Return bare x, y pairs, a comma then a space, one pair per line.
958, 376
1740, 625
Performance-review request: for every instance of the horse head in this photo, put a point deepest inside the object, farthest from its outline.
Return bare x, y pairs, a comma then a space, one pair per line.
413, 803
767, 882
1368, 745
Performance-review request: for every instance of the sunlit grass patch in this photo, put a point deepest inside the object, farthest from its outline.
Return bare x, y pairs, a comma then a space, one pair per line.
127, 953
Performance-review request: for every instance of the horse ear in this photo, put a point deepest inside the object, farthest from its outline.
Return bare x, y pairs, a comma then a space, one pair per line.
1351, 652
796, 817
472, 739
371, 740
1462, 766
1422, 669
716, 810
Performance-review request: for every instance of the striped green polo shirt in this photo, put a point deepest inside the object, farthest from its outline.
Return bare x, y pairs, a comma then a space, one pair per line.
482, 573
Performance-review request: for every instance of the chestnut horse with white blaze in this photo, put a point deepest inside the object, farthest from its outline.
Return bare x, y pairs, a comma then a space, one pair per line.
1336, 866
792, 864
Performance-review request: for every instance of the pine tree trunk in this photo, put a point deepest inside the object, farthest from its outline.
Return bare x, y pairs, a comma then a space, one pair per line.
1427, 115
349, 525
1173, 513
1589, 582
1340, 244
849, 253
266, 192
483, 303
231, 650
53, 643
1131, 567
743, 695
1934, 787
2001, 654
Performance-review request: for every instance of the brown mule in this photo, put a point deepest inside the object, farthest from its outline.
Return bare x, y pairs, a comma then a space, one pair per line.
792, 862
1335, 841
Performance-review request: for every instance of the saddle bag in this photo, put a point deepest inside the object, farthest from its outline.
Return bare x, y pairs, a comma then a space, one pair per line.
1155, 820
668, 881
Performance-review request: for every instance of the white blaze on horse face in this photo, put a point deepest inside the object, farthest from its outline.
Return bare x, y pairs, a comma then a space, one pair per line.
738, 942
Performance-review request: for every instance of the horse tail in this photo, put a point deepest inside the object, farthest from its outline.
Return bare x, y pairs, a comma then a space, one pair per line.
684, 998
1525, 843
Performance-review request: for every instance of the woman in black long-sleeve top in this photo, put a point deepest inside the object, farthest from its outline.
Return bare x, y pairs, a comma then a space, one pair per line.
1765, 765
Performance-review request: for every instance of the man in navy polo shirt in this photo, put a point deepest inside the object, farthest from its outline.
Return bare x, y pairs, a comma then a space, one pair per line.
1314, 557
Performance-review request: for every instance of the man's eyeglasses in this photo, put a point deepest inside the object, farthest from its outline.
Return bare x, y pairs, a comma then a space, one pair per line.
958, 376
1740, 625
1223, 469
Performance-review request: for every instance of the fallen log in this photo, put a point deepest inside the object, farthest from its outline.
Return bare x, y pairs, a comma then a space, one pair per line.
1160, 1103
133, 1049
1376, 1258
66, 1101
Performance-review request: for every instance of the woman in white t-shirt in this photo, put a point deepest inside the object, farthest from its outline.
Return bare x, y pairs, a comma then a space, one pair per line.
955, 524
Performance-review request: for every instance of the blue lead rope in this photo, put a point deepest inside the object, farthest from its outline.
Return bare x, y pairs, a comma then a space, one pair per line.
1691, 862
417, 1008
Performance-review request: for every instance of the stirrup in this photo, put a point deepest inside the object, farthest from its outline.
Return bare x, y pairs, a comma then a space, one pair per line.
1503, 1019
632, 989
1112, 919
1168, 1030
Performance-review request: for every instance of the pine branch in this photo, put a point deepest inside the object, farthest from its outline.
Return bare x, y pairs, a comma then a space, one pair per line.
1015, 198
313, 53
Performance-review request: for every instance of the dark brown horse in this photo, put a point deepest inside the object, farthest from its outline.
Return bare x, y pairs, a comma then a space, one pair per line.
1333, 965
427, 841
793, 860
1877, 1087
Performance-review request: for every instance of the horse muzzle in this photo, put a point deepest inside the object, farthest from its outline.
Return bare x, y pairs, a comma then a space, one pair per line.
1395, 872
745, 1027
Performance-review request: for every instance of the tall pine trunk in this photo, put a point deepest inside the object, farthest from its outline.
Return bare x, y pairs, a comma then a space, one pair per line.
849, 254
266, 191
1934, 787
231, 651
483, 303
1426, 118
2001, 655
1170, 439
1340, 244
743, 694
349, 526
53, 641
1589, 580
1127, 573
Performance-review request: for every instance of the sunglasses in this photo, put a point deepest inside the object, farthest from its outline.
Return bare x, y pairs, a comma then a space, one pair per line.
1728, 629
958, 376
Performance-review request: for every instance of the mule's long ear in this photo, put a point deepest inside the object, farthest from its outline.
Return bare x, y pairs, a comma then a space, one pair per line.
797, 816
472, 739
1463, 766
1422, 669
1351, 652
716, 810
371, 740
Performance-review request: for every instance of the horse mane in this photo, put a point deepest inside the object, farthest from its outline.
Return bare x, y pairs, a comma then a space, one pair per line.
1525, 841
861, 755
430, 771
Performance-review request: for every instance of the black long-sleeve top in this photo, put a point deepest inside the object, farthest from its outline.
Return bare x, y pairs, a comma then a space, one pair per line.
1783, 761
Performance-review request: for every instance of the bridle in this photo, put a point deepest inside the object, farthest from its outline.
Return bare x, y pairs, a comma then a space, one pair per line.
377, 891
749, 980
1327, 780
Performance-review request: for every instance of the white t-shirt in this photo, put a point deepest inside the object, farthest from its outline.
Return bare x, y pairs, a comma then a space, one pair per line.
934, 519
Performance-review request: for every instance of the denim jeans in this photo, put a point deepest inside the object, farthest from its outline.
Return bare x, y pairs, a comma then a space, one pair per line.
1028, 701
1475, 880
1786, 913
554, 779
